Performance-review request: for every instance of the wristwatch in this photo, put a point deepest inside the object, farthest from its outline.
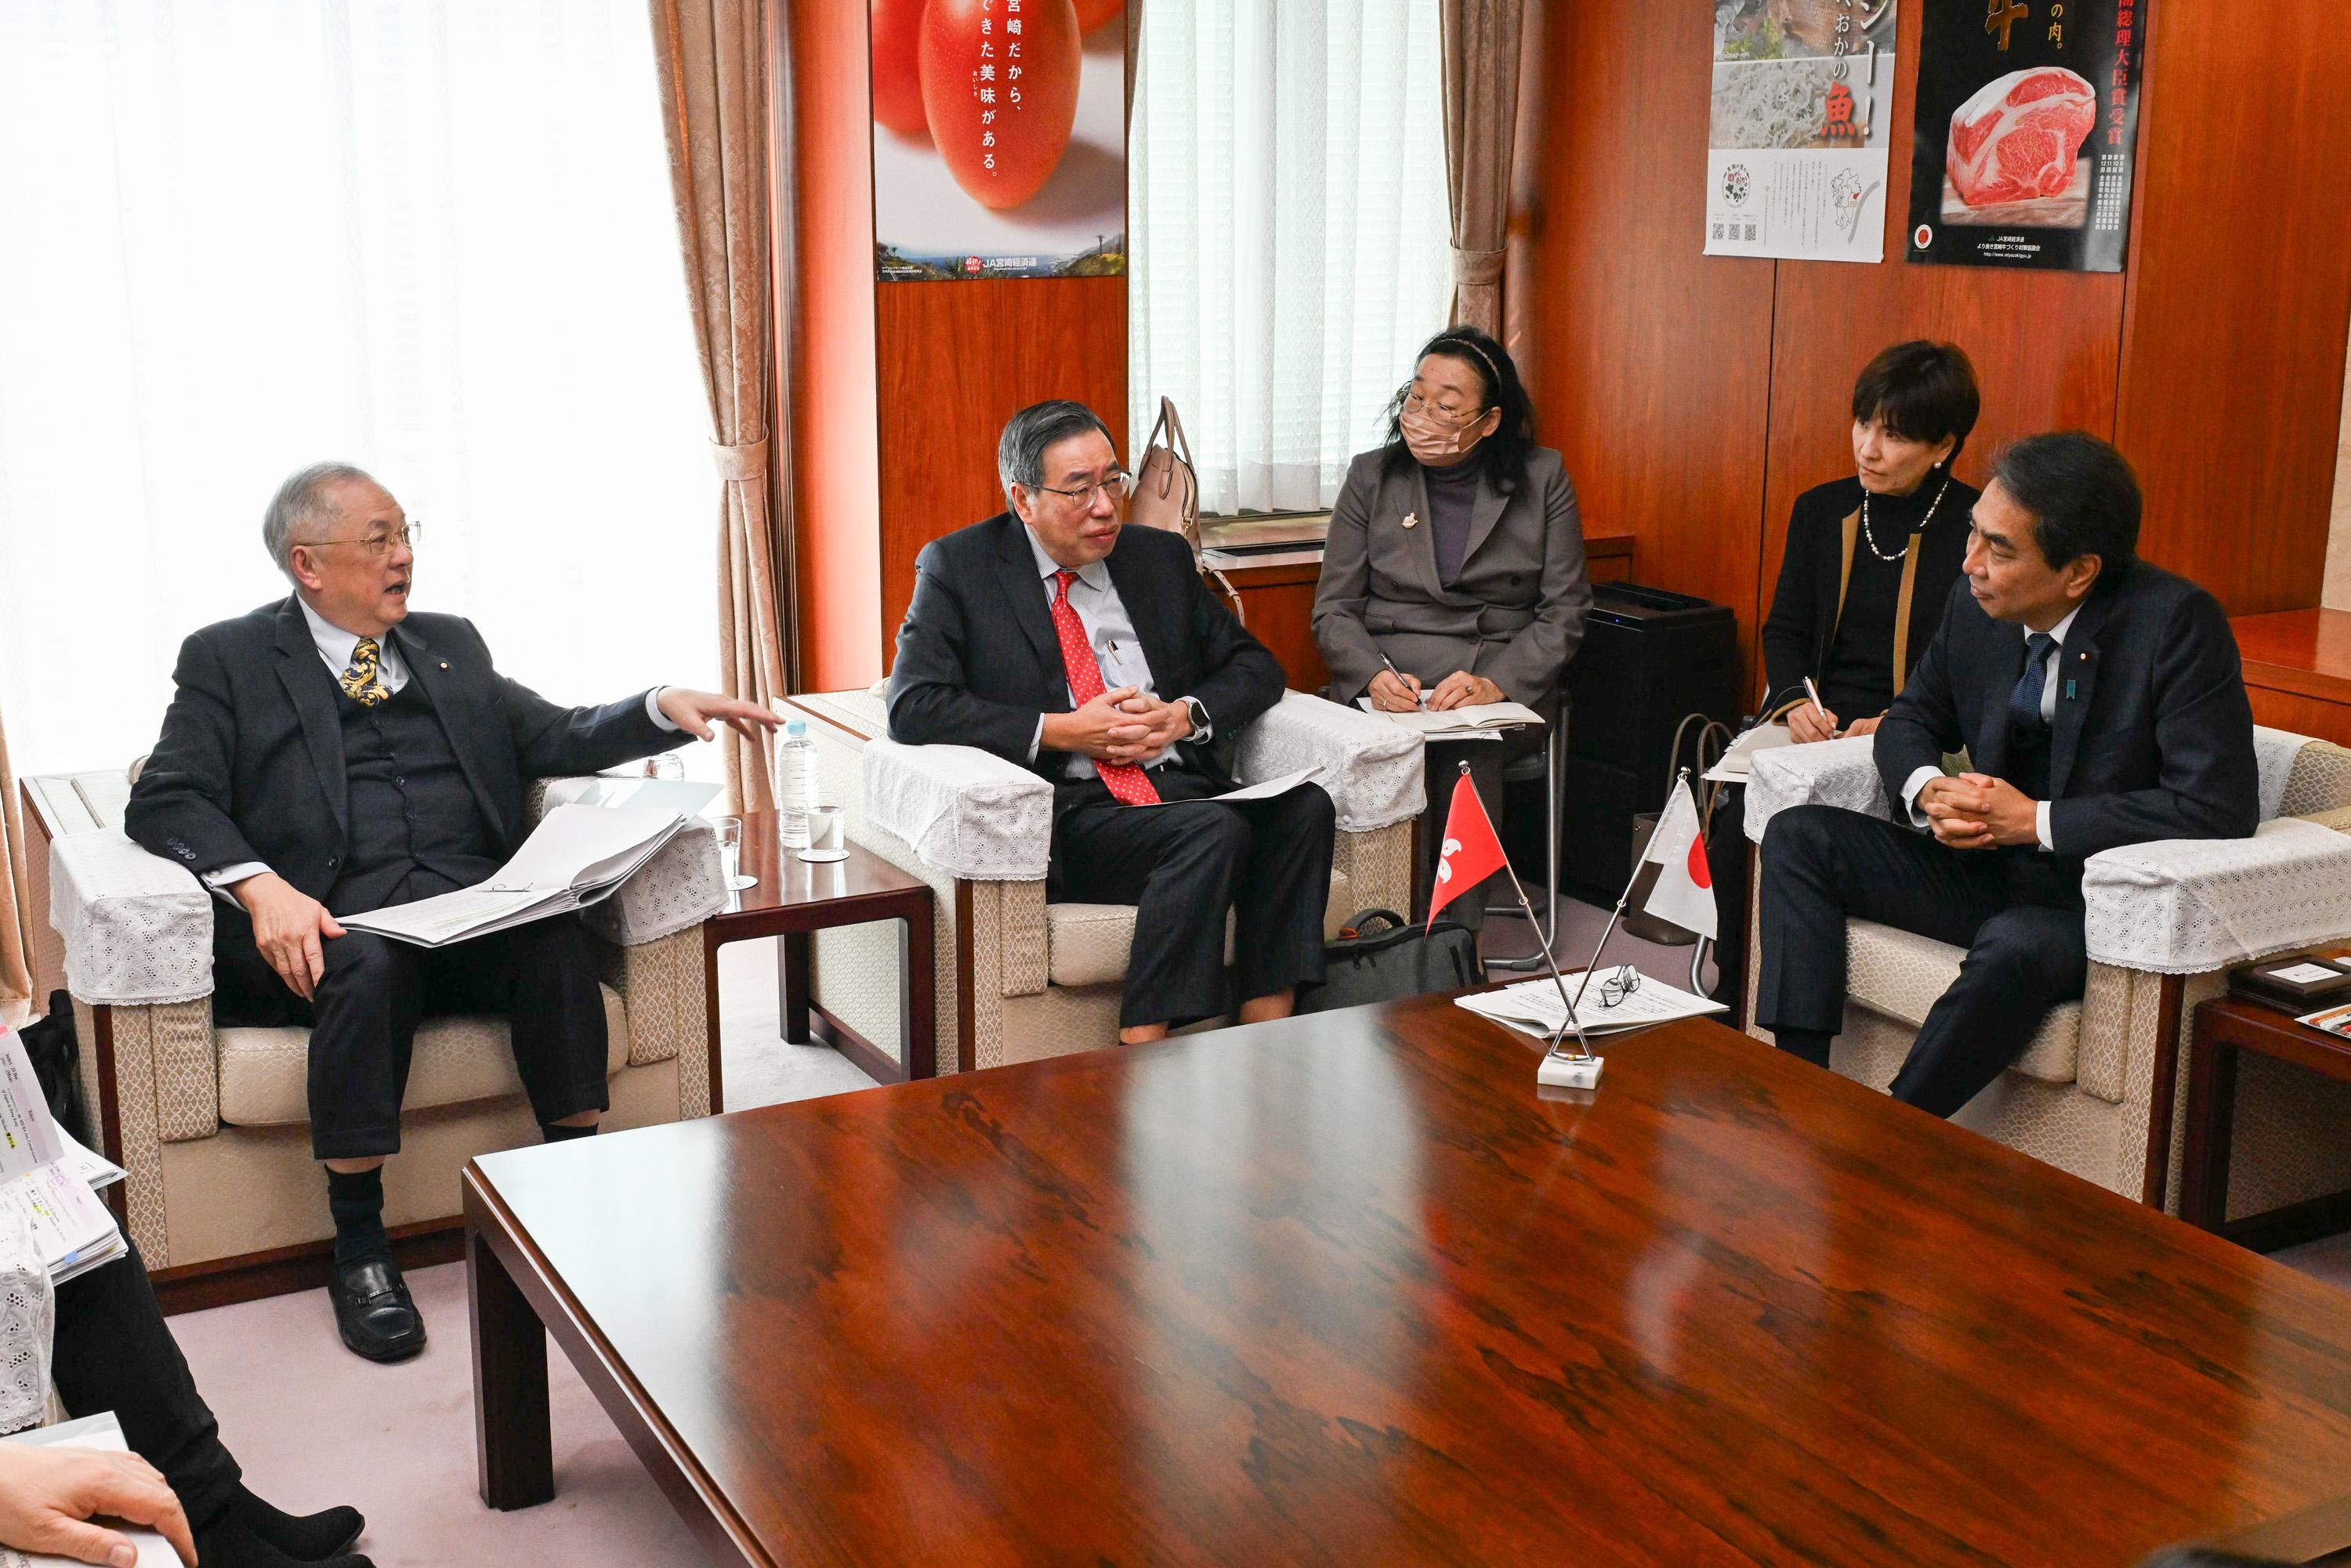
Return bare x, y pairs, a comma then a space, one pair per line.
1199, 720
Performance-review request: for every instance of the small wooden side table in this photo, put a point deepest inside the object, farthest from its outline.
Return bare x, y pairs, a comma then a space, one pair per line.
793, 900
2224, 1027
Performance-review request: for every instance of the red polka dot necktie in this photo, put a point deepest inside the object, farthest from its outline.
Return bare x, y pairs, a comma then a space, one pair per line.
1129, 783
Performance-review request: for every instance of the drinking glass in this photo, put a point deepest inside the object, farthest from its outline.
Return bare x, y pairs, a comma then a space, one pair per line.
730, 854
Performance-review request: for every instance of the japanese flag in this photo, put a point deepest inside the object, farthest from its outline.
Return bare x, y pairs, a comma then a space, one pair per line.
1684, 893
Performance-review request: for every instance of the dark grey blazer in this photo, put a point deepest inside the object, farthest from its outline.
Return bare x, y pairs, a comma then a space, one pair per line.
1514, 614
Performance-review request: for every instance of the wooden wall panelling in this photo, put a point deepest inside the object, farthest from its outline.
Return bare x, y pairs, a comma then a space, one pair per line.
1653, 360
826, 281
957, 360
2241, 288
2045, 344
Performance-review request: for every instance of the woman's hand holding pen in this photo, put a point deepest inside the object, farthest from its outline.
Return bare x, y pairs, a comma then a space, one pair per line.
1392, 691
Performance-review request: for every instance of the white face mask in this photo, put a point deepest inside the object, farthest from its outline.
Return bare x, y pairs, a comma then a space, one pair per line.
1435, 441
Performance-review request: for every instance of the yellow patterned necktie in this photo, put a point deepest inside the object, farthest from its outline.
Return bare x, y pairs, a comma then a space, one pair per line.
361, 683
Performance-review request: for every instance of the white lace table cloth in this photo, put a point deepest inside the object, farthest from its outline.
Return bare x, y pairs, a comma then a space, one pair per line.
967, 812
138, 929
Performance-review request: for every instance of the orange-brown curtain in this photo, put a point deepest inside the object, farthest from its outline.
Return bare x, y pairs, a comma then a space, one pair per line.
16, 912
713, 56
1482, 43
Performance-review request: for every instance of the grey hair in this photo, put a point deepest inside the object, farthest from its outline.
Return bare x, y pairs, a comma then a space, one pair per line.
300, 502
1020, 451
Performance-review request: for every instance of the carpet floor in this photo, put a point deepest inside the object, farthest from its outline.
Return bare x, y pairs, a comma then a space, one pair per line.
314, 1425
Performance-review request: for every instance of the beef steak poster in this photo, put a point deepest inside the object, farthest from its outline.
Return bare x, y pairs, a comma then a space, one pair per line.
2028, 122
1802, 107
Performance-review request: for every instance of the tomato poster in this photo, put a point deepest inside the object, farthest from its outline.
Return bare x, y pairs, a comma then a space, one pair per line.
2028, 123
999, 139
1802, 112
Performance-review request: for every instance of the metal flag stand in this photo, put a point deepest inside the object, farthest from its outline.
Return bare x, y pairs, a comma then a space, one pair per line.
1586, 1066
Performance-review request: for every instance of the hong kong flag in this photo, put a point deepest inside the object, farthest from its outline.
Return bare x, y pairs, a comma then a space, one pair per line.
1473, 850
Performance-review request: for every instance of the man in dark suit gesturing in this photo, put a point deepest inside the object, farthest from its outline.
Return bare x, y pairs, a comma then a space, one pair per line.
1062, 640
331, 754
2101, 703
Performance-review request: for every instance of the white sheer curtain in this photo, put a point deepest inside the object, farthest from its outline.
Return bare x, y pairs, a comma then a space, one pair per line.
1286, 167
435, 239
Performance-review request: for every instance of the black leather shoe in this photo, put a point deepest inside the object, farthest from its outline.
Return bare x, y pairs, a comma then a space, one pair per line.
373, 1310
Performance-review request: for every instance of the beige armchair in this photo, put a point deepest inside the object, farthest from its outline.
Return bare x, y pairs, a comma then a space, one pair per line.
224, 1198
2100, 1090
1018, 978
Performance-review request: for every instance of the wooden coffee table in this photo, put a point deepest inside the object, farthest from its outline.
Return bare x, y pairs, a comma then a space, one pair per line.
793, 899
1347, 1290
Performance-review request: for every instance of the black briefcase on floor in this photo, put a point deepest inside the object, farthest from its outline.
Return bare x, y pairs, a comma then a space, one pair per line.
1380, 957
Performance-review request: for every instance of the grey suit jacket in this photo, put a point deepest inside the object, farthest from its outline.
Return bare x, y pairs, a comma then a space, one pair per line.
1514, 614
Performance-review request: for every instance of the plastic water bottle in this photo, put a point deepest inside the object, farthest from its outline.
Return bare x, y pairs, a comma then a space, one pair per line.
797, 759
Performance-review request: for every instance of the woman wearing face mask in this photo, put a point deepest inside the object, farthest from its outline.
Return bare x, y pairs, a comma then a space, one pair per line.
1453, 573
1871, 558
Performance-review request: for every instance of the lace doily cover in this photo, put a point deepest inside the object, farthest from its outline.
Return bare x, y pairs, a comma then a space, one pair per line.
2183, 906
1371, 769
682, 886
137, 928
28, 1320
967, 812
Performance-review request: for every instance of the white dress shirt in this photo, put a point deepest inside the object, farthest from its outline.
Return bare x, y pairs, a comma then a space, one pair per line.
1919, 778
335, 647
1110, 632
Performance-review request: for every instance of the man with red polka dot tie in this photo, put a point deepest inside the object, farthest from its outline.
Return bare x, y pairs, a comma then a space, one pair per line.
1058, 638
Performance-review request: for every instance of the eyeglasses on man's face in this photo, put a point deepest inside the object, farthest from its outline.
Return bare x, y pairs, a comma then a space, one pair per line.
1117, 485
1414, 402
406, 538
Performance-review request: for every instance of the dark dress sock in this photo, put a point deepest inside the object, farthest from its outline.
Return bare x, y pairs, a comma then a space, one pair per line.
553, 1132
355, 1198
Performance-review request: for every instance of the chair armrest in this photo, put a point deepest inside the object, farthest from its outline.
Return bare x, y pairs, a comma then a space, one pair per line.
2183, 906
1826, 773
1371, 769
680, 887
137, 928
967, 811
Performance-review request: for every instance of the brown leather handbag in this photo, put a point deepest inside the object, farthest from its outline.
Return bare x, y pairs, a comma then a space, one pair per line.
1168, 494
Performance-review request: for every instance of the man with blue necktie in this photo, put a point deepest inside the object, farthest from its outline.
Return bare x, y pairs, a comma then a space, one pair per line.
2100, 702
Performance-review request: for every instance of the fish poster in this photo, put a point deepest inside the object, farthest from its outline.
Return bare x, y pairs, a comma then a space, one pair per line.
1802, 110
999, 139
2027, 131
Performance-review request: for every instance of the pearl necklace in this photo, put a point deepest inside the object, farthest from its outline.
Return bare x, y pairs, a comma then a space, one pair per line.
1929, 518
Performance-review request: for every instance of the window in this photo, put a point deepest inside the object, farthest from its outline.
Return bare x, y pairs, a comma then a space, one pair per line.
1290, 249
436, 241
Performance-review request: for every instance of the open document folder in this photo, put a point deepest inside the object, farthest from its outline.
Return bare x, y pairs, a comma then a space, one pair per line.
577, 855
46, 1180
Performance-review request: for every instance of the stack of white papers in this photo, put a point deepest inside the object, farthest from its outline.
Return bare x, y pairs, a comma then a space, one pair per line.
578, 854
1533, 1006
46, 1178
104, 1433
1737, 763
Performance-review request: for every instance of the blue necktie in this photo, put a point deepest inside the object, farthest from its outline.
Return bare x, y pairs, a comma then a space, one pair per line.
2024, 700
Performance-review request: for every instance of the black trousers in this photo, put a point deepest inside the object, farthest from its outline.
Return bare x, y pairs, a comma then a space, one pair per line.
2017, 912
114, 1352
1183, 865
364, 1017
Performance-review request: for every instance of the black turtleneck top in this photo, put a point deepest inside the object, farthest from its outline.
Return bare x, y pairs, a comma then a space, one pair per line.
1857, 677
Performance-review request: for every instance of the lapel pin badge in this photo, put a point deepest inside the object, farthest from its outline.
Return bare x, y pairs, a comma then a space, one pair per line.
444, 663
1411, 519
